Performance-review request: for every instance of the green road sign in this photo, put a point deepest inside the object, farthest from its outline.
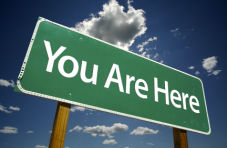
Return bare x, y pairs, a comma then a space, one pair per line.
64, 65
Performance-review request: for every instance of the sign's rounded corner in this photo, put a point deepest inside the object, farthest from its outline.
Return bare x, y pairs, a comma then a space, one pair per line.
200, 80
19, 86
209, 131
41, 20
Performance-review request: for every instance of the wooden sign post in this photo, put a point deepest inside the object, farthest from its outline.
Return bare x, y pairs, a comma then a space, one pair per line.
180, 138
60, 125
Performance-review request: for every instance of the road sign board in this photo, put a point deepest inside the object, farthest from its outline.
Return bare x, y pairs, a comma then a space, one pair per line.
64, 65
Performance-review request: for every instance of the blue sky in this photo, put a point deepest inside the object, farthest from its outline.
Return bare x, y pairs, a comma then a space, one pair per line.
186, 35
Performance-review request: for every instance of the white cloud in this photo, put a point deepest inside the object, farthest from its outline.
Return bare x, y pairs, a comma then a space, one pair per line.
76, 128
197, 72
143, 131
150, 51
109, 141
77, 108
4, 109
10, 110
156, 55
102, 130
40, 146
114, 25
66, 147
7, 83
150, 144
209, 63
90, 113
216, 72
191, 67
148, 56
144, 54
126, 147
9, 130
176, 32
14, 108
141, 46
30, 132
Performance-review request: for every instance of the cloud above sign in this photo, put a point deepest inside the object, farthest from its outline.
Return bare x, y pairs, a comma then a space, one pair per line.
209, 65
115, 25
